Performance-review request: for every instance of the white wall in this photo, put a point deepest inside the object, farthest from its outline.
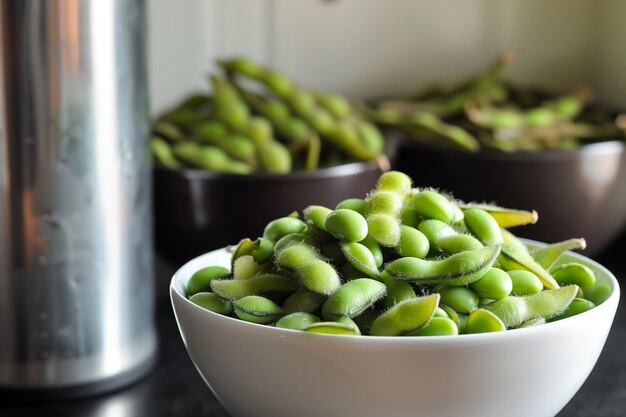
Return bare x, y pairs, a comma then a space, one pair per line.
369, 48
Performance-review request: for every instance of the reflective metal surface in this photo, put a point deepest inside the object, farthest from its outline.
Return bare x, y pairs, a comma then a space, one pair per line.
76, 278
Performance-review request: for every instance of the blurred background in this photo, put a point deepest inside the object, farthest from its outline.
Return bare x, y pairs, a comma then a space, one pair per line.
369, 49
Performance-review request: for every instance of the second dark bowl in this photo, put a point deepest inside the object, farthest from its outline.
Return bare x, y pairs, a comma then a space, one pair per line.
197, 211
580, 193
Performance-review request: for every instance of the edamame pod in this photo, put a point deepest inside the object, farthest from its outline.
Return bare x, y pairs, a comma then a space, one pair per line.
577, 306
514, 311
233, 289
276, 229
297, 321
360, 257
547, 255
397, 291
200, 281
433, 205
163, 153
212, 303
334, 327
412, 243
435, 230
304, 301
483, 226
459, 269
574, 273
512, 257
484, 321
406, 317
357, 204
384, 207
506, 217
244, 267
313, 273
316, 216
346, 225
352, 298
458, 243
437, 326
257, 309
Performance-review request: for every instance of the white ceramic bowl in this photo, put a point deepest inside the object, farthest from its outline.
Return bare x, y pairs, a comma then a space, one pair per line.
257, 370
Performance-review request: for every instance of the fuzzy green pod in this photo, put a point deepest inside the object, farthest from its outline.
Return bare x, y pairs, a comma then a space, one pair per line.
412, 243
514, 311
524, 282
406, 317
574, 273
313, 273
297, 321
484, 321
233, 289
482, 225
352, 298
346, 225
212, 302
276, 229
461, 299
438, 326
360, 257
200, 281
459, 269
257, 309
433, 205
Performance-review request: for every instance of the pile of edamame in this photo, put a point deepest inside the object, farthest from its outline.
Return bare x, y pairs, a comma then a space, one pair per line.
286, 127
486, 112
400, 262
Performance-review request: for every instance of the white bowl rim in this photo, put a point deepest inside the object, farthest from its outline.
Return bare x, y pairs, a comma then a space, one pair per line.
599, 311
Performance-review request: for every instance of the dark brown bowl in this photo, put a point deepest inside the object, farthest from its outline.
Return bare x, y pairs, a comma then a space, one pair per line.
580, 193
197, 211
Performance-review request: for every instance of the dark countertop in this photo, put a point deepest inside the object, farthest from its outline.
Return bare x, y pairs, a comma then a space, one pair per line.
174, 388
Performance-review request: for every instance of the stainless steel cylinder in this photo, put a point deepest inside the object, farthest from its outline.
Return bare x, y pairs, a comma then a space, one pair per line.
76, 267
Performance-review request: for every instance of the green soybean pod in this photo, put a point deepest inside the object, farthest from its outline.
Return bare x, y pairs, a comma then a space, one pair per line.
433, 205
233, 289
574, 273
547, 255
336, 104
352, 298
360, 257
524, 282
434, 230
357, 204
303, 301
483, 226
247, 67
412, 243
257, 309
514, 311
264, 251
278, 83
495, 284
297, 321
577, 306
440, 312
346, 225
276, 229
438, 326
275, 157
395, 181
244, 267
343, 326
212, 302
405, 317
291, 239
458, 243
484, 321
316, 216
313, 273
200, 281
459, 269
513, 257
373, 247
163, 153
461, 299
371, 137
365, 319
